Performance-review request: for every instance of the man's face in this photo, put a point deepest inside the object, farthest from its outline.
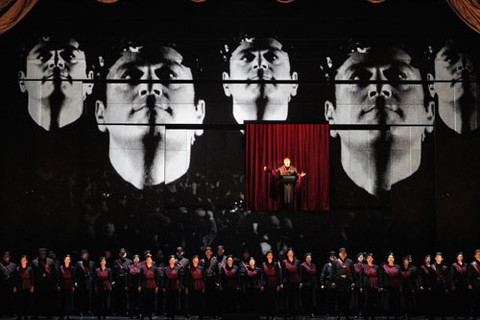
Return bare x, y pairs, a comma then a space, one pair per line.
438, 259
456, 72
179, 254
146, 97
6, 258
342, 255
333, 257
427, 260
389, 101
59, 66
286, 162
260, 60
122, 255
369, 259
42, 255
85, 256
208, 253
477, 256
220, 251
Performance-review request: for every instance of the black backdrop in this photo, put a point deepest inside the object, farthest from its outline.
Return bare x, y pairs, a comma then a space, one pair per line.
57, 189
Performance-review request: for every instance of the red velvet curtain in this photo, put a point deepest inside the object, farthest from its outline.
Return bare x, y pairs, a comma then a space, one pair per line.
307, 147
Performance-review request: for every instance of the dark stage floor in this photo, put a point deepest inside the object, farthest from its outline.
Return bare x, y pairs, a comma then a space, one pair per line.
235, 317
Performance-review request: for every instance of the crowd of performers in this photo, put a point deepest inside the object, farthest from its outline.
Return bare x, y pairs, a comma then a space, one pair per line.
220, 284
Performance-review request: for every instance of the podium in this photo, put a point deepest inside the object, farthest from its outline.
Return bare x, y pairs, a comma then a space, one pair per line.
288, 179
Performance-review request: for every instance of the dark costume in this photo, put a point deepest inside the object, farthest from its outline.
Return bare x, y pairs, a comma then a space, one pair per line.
149, 283
45, 278
173, 278
272, 279
183, 263
66, 284
424, 281
84, 271
133, 282
371, 285
327, 294
440, 287
343, 276
308, 277
473, 278
390, 282
7, 271
196, 290
120, 271
459, 295
210, 267
229, 285
358, 298
251, 282
287, 192
24, 284
291, 284
103, 289
409, 286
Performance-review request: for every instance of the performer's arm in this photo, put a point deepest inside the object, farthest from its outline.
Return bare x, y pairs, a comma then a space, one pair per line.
267, 170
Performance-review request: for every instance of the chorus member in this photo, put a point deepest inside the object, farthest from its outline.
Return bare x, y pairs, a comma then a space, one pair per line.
229, 285
148, 288
24, 287
358, 296
326, 285
272, 282
7, 270
309, 281
440, 276
45, 278
473, 276
133, 283
291, 283
370, 282
390, 282
84, 273
66, 286
195, 287
408, 274
174, 277
252, 286
210, 266
103, 288
343, 281
120, 271
424, 282
459, 281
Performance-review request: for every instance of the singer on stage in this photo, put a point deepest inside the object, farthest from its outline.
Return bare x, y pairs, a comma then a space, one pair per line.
288, 179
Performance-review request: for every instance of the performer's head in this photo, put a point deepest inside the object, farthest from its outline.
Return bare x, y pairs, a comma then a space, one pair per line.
220, 251
427, 259
369, 258
258, 62
390, 258
138, 99
286, 162
179, 252
456, 68
122, 254
438, 257
333, 255
342, 253
6, 257
385, 84
477, 254
308, 257
42, 253
84, 255
53, 76
360, 257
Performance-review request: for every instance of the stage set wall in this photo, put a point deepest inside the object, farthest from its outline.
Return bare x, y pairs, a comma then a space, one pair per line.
60, 190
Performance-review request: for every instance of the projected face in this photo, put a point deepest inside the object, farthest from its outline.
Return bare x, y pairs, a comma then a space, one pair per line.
391, 100
454, 65
53, 79
142, 96
259, 63
457, 89
146, 97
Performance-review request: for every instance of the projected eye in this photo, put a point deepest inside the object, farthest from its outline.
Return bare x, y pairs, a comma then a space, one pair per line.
270, 57
361, 75
165, 75
44, 56
395, 75
132, 74
247, 57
